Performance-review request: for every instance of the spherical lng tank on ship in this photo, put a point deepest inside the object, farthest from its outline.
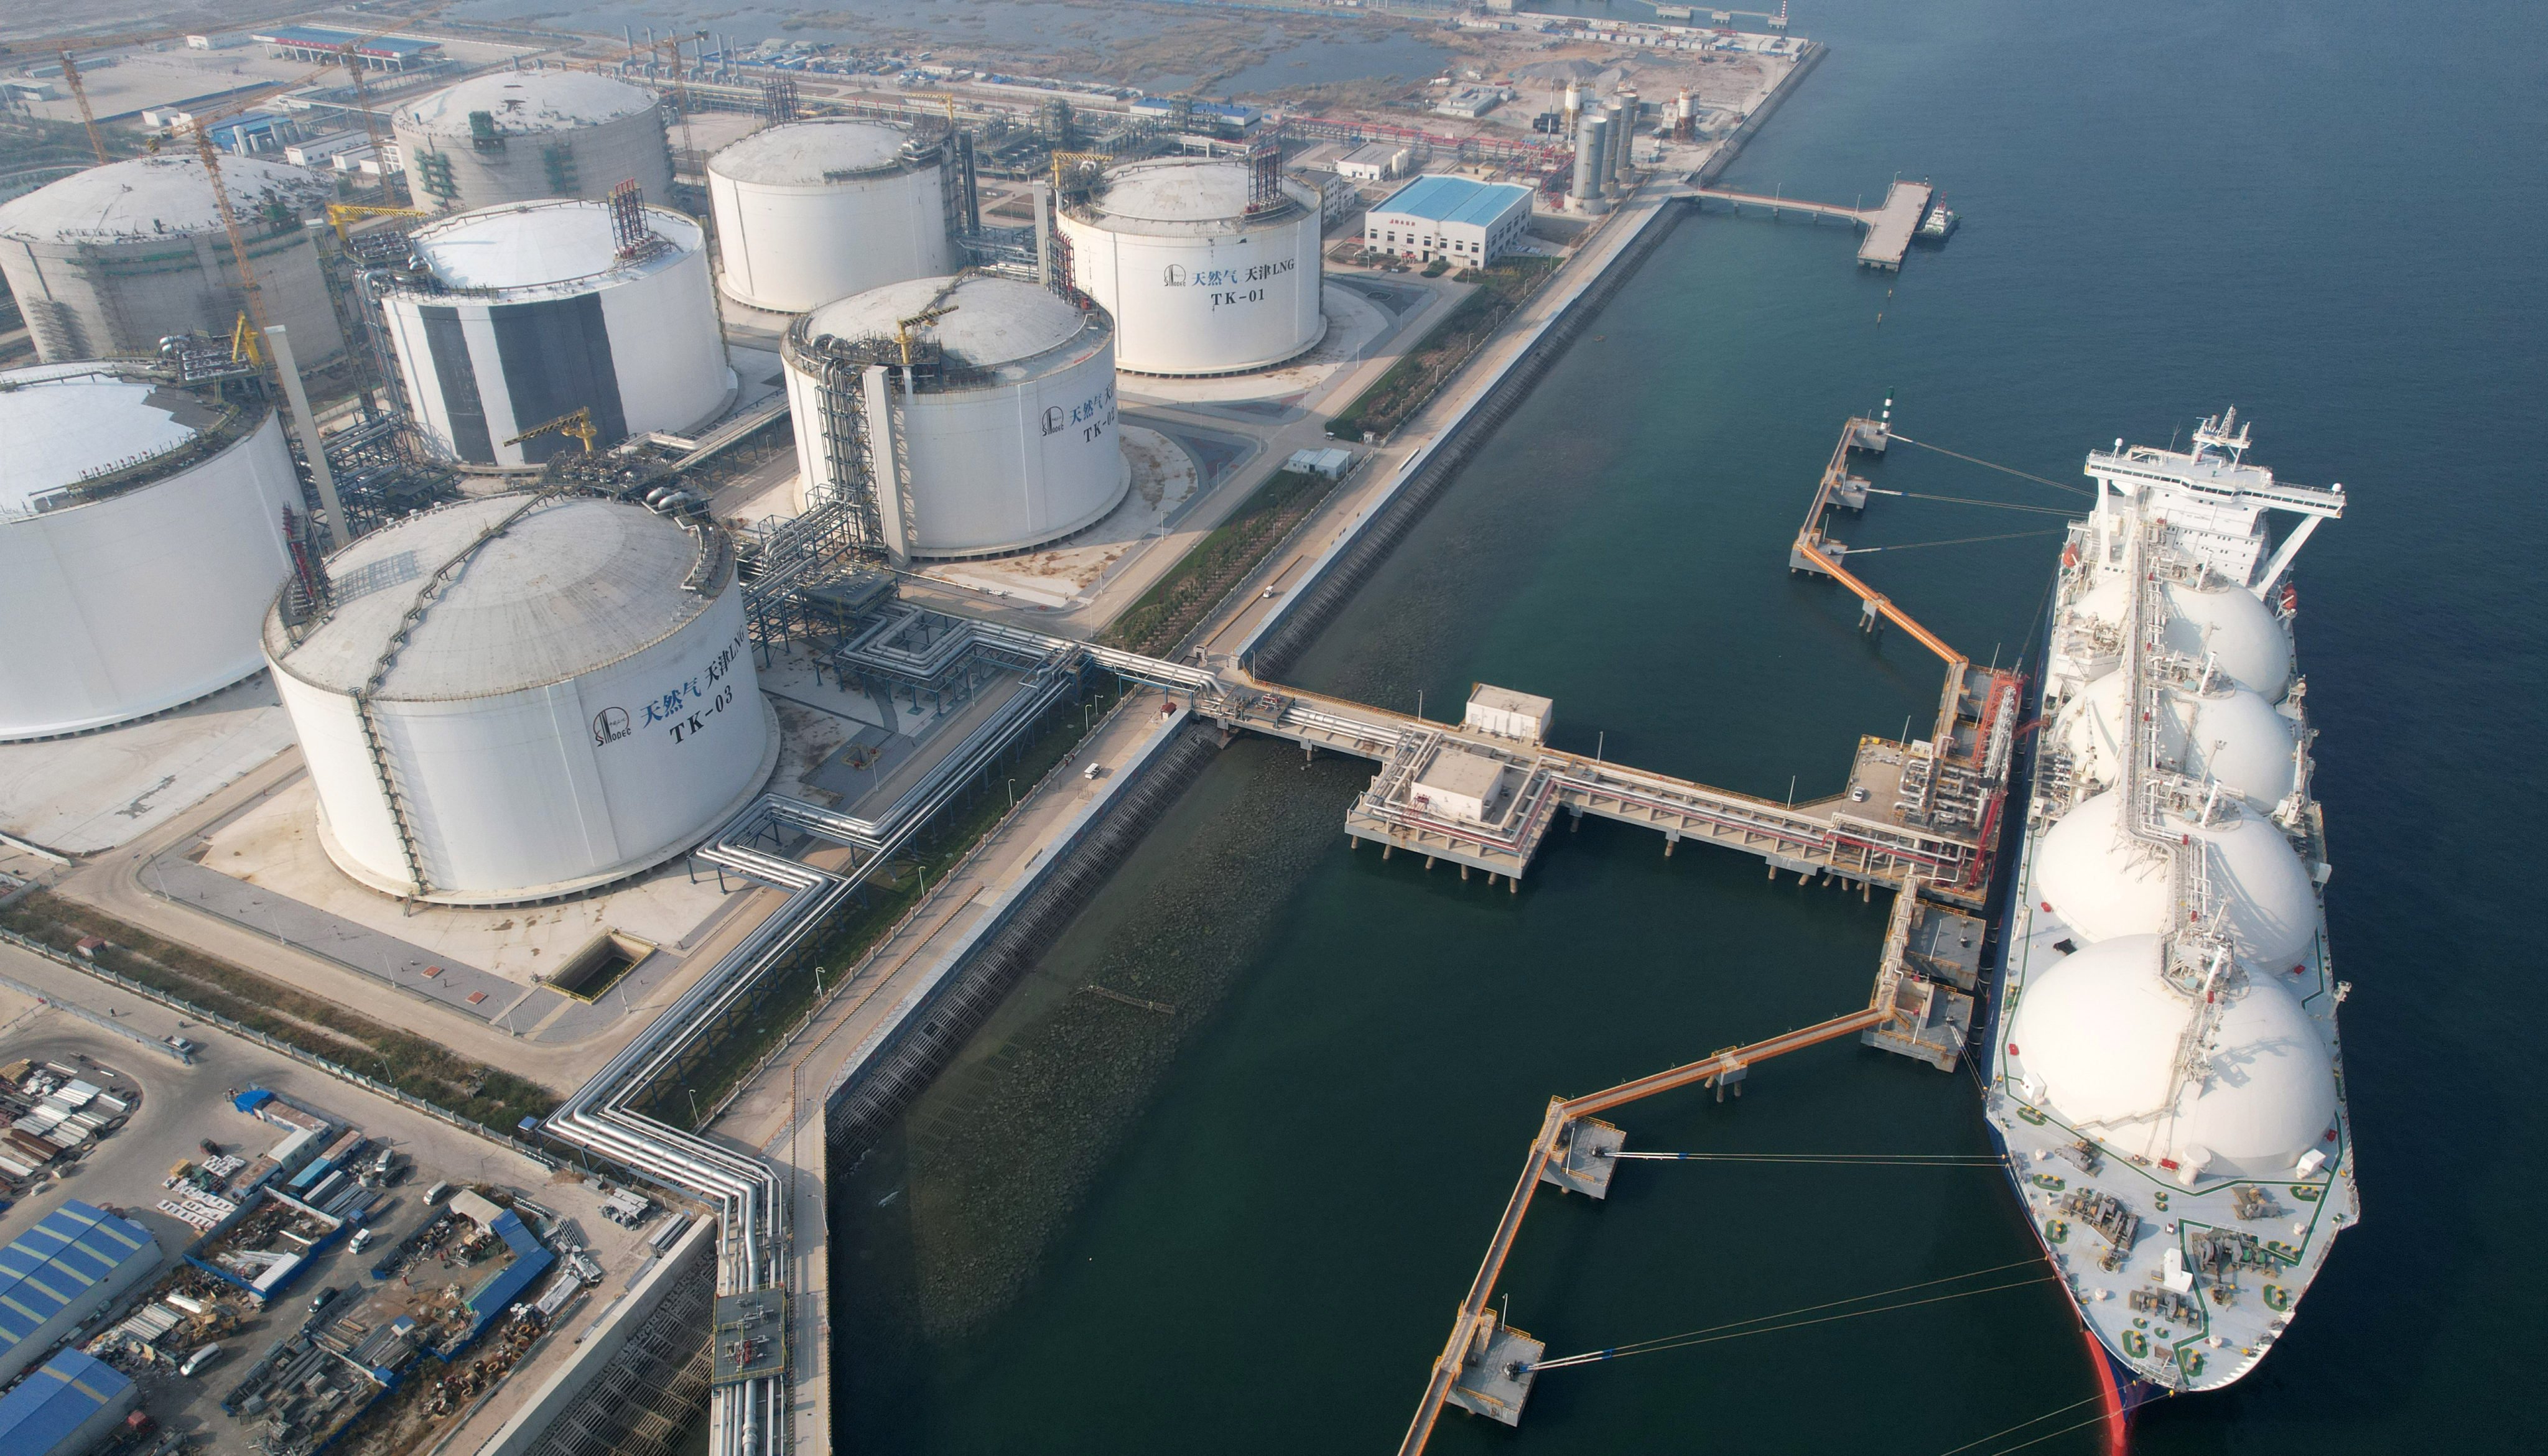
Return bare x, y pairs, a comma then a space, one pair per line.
1208, 265
1000, 433
522, 136
817, 211
518, 316
573, 704
108, 261
141, 541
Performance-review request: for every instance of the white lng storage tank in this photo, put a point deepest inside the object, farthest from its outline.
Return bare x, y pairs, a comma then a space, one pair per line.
523, 695
1209, 265
518, 316
817, 211
522, 136
141, 541
108, 261
962, 416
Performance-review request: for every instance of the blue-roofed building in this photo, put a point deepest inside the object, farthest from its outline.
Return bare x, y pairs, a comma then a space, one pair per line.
66, 1407
72, 1263
1469, 222
319, 45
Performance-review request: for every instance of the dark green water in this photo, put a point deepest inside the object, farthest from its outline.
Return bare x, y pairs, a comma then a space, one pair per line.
1241, 1225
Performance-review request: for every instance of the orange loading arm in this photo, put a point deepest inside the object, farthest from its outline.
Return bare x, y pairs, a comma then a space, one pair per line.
1882, 604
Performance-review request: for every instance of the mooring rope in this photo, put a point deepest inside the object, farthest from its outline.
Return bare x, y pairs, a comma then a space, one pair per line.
2031, 1421
1988, 465
1773, 1323
1957, 541
1852, 1160
2060, 510
2050, 1434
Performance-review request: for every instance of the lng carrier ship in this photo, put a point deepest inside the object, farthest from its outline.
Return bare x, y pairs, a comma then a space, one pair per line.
2165, 1074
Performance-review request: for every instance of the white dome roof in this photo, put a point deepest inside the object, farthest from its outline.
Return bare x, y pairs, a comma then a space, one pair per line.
2235, 737
2237, 630
2104, 885
2107, 598
2102, 1031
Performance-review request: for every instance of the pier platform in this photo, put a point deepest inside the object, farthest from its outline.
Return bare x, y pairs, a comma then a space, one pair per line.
1890, 225
1495, 1377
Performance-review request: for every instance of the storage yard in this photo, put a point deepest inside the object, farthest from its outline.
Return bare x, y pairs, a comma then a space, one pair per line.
272, 1274
654, 592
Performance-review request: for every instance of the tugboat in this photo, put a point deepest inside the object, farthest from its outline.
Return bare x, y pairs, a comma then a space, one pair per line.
1938, 223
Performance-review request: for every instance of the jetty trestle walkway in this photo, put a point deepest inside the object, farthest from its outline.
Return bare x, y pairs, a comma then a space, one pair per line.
1890, 225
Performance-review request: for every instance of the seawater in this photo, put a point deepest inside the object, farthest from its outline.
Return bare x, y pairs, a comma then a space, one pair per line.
1241, 1223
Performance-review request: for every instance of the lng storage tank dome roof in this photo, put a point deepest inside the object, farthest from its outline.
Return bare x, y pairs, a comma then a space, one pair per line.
528, 245
528, 101
59, 422
993, 320
1173, 197
151, 196
576, 584
811, 153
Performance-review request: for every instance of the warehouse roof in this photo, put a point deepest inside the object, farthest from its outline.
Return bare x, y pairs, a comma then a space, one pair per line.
50, 1404
576, 584
810, 153
540, 244
319, 38
52, 1264
1440, 199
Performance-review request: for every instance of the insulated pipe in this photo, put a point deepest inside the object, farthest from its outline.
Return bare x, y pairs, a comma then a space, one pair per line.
304, 428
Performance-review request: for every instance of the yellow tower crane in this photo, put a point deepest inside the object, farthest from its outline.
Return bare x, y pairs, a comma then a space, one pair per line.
577, 426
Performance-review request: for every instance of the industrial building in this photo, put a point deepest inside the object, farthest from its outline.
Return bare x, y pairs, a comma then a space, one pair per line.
141, 536
66, 1407
817, 211
1207, 265
522, 136
517, 316
1469, 222
523, 697
1373, 161
961, 417
73, 1263
109, 260
322, 46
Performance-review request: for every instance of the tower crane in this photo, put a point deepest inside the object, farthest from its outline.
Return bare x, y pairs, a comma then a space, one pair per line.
576, 424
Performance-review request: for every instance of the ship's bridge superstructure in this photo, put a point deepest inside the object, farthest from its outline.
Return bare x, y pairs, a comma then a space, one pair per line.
2215, 498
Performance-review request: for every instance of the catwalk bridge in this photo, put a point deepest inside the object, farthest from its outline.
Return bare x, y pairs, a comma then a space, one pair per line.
1890, 225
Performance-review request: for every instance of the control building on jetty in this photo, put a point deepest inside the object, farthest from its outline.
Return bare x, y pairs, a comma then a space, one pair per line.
522, 696
817, 211
2165, 1074
107, 262
514, 317
1207, 265
522, 135
141, 534
971, 415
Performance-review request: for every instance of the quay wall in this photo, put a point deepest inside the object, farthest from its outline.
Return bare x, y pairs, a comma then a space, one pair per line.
901, 1055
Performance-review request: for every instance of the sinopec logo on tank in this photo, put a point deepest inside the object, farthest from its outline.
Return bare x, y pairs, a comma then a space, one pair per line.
1091, 414
610, 725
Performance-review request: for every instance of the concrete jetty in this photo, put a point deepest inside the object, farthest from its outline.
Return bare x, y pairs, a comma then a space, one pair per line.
1890, 225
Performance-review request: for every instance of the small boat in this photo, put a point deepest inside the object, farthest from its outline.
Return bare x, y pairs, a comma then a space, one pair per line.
1940, 222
